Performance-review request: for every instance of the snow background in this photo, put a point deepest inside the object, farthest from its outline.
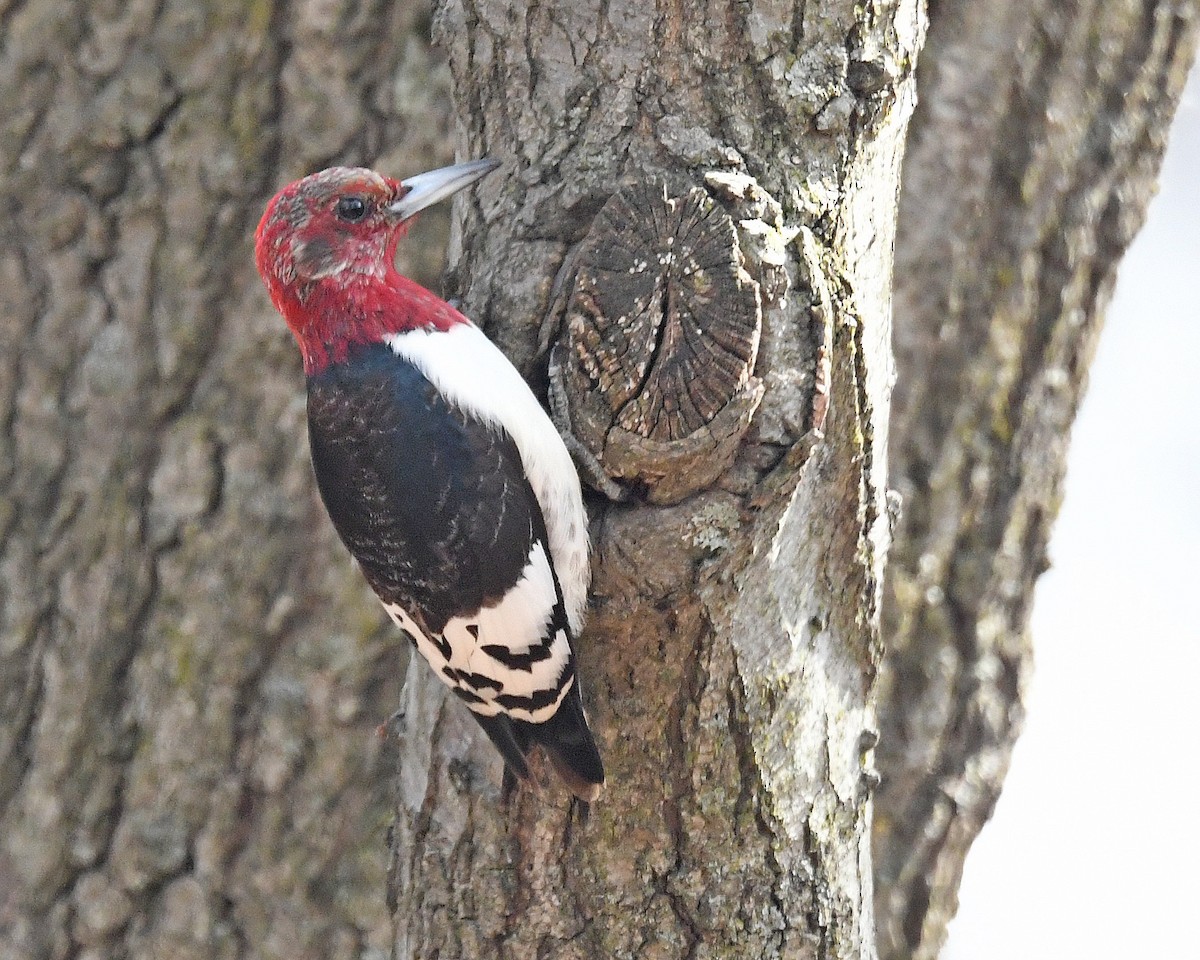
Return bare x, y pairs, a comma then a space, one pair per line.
1094, 845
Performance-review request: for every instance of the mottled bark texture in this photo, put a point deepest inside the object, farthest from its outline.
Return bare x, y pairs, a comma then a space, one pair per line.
190, 671
1031, 159
732, 646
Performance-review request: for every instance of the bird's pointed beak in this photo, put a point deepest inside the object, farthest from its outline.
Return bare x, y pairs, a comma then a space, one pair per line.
426, 189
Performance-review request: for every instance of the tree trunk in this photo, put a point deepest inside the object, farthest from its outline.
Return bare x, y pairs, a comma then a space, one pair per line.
730, 656
191, 673
1030, 163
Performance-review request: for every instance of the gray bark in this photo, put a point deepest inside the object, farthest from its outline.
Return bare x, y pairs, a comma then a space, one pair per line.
1031, 160
732, 645
190, 672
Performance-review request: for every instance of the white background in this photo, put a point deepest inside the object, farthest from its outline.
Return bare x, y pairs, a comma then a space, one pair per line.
1094, 850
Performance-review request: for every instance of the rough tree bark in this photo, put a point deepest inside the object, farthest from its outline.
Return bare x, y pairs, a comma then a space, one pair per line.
731, 653
190, 671
1031, 160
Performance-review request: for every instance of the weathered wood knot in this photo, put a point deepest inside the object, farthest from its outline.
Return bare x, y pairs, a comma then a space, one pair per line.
653, 372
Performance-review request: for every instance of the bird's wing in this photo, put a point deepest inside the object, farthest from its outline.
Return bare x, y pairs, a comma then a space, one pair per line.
437, 510
476, 378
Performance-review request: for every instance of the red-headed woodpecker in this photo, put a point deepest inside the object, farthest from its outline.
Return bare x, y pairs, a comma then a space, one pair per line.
439, 468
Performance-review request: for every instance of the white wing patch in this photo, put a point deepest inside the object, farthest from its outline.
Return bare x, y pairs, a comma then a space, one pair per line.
503, 658
473, 375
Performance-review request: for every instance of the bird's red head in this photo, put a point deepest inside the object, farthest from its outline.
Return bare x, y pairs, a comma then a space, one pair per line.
326, 249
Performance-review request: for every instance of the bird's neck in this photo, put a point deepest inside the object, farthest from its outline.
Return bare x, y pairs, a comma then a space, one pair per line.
330, 315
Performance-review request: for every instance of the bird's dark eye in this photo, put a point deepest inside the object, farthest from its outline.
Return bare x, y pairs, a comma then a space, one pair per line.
351, 209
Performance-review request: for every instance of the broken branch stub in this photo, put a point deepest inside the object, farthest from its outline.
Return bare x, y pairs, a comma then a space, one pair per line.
661, 335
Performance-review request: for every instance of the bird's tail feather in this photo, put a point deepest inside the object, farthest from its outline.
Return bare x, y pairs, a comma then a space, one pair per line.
512, 743
568, 742
566, 738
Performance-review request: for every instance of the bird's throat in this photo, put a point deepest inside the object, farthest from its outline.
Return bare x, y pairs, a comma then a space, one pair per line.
330, 315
